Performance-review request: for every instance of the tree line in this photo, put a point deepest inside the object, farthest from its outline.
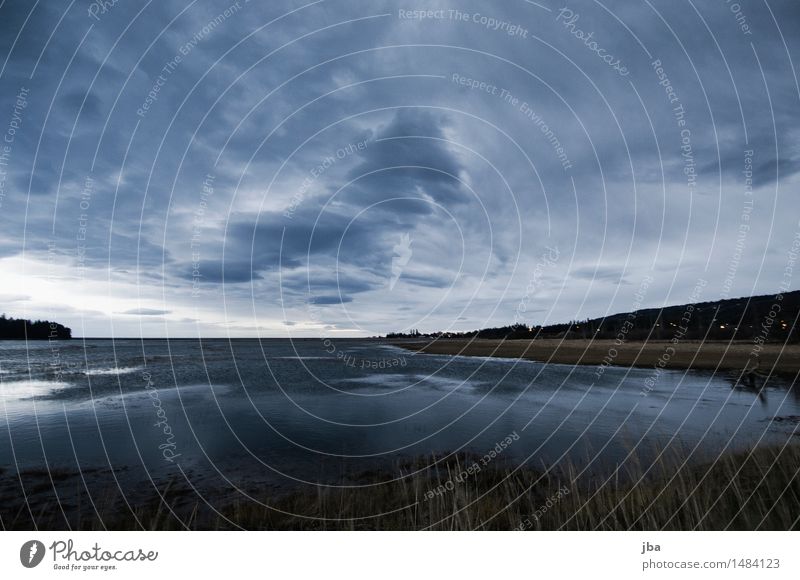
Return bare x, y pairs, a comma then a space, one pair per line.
21, 329
771, 317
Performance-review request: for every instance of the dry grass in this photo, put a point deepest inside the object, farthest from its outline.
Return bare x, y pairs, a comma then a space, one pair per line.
688, 354
746, 491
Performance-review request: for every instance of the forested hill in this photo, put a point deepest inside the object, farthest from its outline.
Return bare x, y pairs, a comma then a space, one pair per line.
20, 329
770, 318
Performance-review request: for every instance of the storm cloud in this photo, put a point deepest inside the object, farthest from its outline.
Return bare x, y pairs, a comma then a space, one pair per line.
224, 167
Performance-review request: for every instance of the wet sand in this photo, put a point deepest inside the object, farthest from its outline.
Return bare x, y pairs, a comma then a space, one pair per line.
709, 355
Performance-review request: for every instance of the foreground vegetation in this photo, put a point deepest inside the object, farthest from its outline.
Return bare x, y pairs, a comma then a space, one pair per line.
746, 491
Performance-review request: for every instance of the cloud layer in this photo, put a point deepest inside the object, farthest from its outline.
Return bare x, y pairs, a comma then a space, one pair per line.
189, 168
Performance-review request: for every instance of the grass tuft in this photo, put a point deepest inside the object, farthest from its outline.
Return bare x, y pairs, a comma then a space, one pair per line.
757, 490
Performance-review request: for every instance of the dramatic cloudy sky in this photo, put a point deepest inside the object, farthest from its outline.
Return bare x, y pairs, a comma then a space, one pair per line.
302, 168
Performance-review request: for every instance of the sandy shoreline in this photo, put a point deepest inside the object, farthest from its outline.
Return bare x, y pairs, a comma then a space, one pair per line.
709, 355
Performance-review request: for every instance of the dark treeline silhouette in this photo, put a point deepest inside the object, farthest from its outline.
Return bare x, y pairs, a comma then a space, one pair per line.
20, 329
769, 318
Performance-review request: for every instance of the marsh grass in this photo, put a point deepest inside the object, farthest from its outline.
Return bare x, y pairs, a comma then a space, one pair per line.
757, 490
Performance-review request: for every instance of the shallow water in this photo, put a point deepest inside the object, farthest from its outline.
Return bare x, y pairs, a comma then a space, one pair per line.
285, 413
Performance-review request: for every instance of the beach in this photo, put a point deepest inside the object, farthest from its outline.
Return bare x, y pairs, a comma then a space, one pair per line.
724, 356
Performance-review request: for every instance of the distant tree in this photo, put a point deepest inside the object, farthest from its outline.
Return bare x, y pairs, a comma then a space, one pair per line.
776, 318
21, 329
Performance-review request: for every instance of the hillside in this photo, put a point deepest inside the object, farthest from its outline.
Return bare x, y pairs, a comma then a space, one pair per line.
772, 318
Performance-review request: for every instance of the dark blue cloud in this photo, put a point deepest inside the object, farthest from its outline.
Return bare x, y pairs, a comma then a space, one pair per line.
330, 299
146, 312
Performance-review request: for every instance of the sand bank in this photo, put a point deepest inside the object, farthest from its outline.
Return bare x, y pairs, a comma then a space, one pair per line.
709, 355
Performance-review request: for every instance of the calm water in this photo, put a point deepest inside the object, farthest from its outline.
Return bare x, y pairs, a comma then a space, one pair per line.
283, 413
